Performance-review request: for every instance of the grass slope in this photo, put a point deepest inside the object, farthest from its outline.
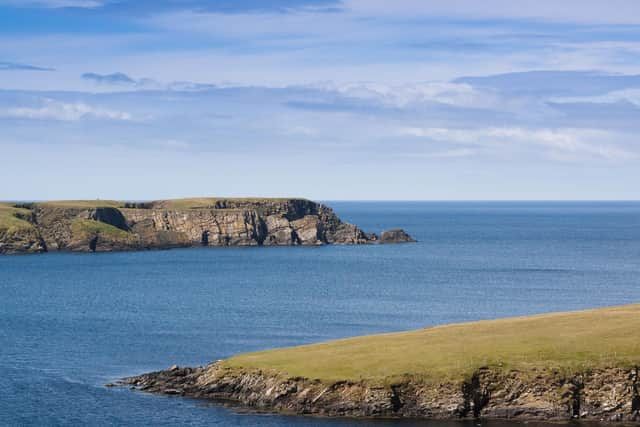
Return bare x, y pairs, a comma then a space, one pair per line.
96, 227
569, 341
9, 218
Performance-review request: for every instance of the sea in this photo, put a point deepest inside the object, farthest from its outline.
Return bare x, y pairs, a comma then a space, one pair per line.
70, 323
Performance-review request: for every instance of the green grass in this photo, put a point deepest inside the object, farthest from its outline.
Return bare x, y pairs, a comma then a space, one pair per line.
9, 220
568, 341
82, 204
188, 203
90, 226
208, 202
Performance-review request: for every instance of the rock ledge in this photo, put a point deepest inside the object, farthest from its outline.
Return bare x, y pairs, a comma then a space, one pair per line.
609, 395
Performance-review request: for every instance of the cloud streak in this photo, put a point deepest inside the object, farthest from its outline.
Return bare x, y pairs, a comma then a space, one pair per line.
155, 6
62, 111
119, 79
563, 144
110, 79
55, 4
13, 66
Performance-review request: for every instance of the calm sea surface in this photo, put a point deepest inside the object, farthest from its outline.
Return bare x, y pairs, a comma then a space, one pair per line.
70, 323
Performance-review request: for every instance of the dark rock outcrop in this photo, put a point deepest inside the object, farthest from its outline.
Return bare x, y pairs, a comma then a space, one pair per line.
595, 395
90, 227
396, 236
21, 241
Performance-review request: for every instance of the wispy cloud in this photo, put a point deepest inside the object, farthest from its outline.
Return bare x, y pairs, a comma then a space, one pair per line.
10, 66
154, 6
114, 78
62, 111
614, 11
409, 94
123, 80
55, 4
565, 144
631, 95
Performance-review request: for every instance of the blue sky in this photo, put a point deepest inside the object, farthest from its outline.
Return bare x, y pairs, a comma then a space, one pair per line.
352, 99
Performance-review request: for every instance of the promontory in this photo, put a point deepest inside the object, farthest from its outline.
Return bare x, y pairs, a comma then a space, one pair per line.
565, 366
98, 225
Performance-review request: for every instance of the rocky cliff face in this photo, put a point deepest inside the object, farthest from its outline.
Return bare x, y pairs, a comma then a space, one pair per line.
24, 240
596, 395
92, 226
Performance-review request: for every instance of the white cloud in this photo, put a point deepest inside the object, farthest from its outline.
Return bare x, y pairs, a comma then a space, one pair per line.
626, 95
405, 95
56, 110
565, 144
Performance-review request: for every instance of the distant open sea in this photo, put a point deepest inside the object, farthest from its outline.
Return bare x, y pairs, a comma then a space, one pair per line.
69, 323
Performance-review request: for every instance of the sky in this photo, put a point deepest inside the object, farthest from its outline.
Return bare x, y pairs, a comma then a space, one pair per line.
324, 99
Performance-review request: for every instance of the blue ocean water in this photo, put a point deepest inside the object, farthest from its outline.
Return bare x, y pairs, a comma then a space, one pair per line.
69, 323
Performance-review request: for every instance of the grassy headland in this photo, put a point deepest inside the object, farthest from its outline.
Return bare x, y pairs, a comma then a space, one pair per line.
572, 341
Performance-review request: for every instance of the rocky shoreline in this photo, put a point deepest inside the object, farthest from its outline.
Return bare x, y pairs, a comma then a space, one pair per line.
604, 394
95, 226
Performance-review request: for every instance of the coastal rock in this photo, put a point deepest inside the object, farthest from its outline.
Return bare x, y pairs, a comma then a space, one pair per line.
24, 240
95, 226
396, 236
279, 231
596, 395
308, 230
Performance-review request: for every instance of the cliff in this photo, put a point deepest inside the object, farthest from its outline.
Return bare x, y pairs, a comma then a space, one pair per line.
581, 365
110, 225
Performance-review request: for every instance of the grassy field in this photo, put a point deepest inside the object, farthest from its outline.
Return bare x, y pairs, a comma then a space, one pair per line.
9, 220
189, 203
83, 204
569, 341
207, 202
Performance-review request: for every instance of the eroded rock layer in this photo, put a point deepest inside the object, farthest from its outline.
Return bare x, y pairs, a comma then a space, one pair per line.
600, 395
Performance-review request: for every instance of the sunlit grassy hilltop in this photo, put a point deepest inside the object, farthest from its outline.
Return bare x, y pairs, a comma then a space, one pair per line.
567, 341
